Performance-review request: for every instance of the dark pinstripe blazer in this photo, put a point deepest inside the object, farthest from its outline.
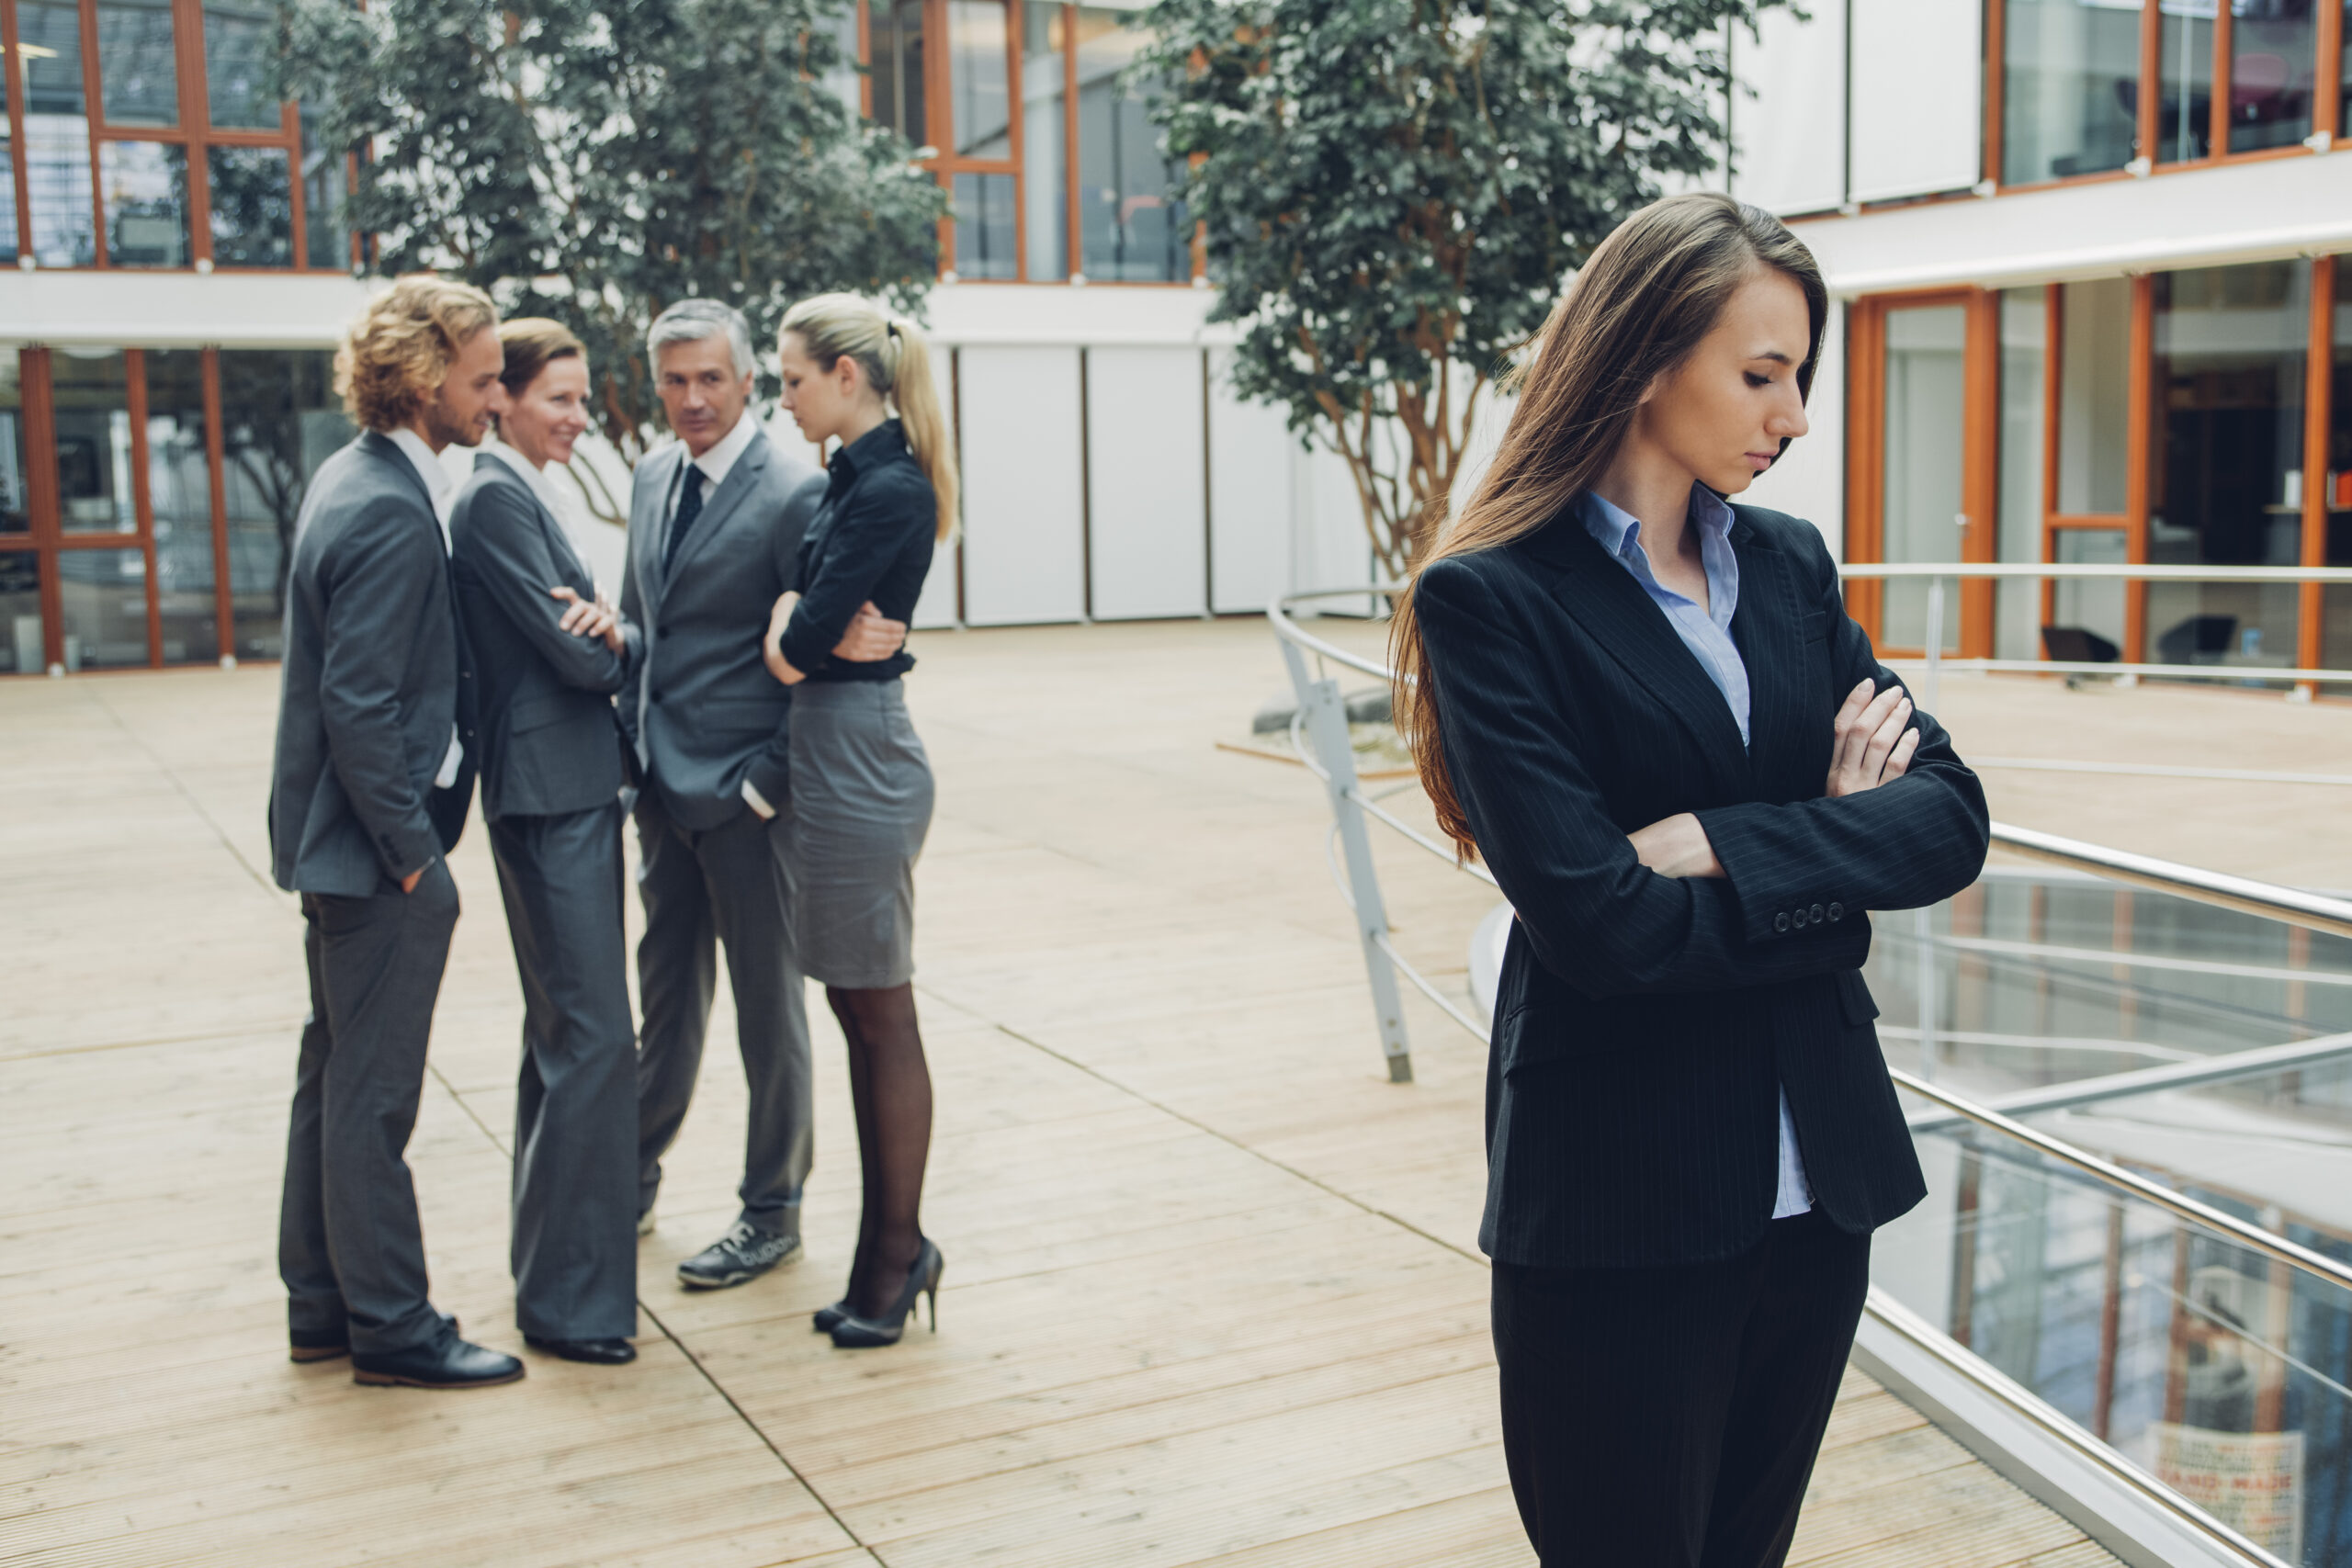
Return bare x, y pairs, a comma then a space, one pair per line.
1643, 1024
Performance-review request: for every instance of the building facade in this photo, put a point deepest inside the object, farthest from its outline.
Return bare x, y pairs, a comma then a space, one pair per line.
2089, 309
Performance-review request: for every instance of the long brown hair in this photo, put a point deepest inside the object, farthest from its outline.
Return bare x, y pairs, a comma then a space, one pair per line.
1652, 290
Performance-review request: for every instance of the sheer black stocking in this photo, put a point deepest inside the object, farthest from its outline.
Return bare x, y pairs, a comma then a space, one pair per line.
889, 1084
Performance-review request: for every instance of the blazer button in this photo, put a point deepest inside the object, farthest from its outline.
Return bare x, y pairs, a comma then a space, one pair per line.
662, 631
1817, 915
1781, 921
1837, 911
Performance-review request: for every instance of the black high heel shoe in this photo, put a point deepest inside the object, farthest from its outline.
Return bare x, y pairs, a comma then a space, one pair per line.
825, 1317
855, 1333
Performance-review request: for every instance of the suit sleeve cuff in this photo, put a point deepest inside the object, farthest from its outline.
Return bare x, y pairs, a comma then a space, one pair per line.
1779, 899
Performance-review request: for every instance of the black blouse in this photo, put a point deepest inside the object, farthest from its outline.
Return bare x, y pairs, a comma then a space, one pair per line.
871, 539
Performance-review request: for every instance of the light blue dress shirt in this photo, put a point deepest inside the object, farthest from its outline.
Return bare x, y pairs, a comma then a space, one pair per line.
1706, 632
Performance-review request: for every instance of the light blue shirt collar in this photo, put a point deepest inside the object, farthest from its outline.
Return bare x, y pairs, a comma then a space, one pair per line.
1620, 533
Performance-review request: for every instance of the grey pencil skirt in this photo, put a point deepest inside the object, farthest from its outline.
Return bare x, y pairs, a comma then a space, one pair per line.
861, 805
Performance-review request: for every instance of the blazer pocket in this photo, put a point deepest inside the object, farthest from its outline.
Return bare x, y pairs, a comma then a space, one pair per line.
1854, 998
1815, 625
536, 712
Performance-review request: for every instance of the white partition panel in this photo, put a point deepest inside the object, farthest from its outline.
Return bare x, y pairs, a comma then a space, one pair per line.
1024, 545
937, 607
1788, 114
1918, 96
1148, 502
1329, 547
1251, 453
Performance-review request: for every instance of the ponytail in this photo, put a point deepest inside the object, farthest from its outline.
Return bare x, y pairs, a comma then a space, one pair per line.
892, 350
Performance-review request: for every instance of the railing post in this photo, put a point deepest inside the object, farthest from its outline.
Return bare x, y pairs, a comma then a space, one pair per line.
1326, 726
1923, 921
1931, 689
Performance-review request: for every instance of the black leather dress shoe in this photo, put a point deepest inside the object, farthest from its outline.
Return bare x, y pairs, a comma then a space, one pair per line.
318, 1345
443, 1362
599, 1352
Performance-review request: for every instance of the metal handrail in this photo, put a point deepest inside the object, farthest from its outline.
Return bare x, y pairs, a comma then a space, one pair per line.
2126, 572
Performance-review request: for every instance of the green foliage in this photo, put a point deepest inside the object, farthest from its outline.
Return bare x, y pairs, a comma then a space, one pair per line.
598, 160
1393, 191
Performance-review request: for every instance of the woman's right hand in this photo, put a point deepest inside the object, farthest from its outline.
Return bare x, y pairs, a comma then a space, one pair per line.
1872, 742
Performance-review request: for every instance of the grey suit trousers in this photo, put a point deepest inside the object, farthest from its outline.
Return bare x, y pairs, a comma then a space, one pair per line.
349, 1245
574, 1248
727, 884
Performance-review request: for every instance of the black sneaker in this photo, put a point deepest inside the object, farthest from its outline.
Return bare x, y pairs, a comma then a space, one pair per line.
744, 1253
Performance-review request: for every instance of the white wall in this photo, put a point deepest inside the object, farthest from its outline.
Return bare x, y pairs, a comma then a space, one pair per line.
1788, 113
1251, 455
1146, 496
1024, 514
1917, 92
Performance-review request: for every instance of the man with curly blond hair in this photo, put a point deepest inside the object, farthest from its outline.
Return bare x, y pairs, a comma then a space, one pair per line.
370, 788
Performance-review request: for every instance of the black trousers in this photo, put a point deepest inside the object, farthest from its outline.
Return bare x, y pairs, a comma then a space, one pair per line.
574, 1251
1668, 1417
349, 1245
726, 886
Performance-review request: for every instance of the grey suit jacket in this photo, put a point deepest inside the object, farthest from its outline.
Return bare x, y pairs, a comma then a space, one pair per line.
699, 707
369, 688
548, 741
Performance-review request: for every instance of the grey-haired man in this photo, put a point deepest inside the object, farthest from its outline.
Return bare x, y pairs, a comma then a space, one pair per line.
715, 527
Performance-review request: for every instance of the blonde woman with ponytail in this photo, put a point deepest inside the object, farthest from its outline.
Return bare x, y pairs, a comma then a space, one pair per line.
861, 784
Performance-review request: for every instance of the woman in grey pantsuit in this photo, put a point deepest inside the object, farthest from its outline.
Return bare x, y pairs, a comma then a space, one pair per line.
861, 785
548, 654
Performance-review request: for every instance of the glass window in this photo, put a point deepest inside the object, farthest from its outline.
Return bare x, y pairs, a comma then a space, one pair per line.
2227, 483
326, 185
137, 73
2094, 395
2095, 604
894, 31
280, 420
2274, 55
253, 205
2017, 605
20, 647
7, 174
57, 134
2070, 82
2344, 76
2185, 60
1044, 174
976, 63
179, 491
236, 47
144, 185
1926, 426
90, 389
1133, 226
104, 595
15, 506
984, 222
842, 81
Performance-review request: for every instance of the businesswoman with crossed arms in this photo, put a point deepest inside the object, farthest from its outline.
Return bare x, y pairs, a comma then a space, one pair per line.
860, 783
1648, 710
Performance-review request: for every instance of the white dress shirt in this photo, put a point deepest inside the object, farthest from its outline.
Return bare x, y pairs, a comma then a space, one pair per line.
427, 464
530, 473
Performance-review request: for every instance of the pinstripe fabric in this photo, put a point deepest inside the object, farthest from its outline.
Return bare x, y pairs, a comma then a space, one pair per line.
1642, 1022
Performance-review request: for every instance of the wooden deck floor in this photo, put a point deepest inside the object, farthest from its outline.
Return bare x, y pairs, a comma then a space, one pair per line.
1211, 1293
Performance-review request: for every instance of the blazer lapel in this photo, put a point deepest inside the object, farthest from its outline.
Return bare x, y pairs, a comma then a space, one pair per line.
1613, 606
1769, 630
723, 502
650, 533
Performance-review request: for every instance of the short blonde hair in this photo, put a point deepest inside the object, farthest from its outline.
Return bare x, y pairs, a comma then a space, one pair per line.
399, 348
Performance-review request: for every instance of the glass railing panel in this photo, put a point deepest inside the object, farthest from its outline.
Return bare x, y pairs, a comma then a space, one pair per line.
2040, 978
2205, 1363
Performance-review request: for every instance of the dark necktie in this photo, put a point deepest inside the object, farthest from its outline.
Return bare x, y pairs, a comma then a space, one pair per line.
689, 508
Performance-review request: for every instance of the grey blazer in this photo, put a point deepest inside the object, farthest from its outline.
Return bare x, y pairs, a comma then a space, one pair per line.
369, 688
548, 741
698, 706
